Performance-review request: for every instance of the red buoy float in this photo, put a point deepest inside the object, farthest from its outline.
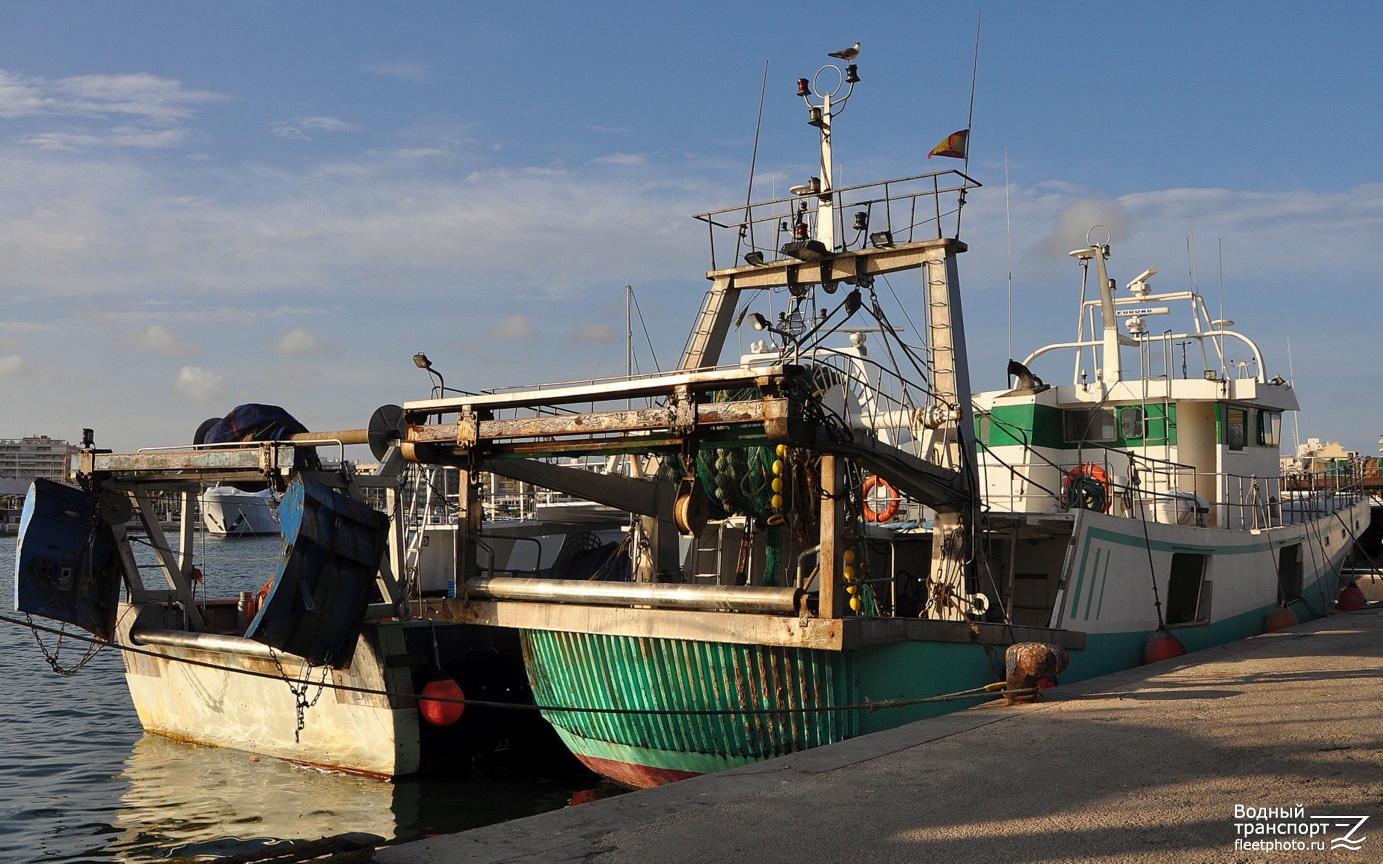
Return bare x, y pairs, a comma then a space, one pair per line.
441, 686
1351, 598
1279, 619
1162, 646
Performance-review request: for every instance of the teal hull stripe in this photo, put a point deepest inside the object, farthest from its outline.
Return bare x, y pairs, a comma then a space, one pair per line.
1080, 580
1100, 576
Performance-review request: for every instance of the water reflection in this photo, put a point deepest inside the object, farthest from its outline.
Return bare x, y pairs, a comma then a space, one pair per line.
187, 800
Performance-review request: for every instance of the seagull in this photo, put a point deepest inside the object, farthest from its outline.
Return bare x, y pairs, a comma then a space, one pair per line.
848, 54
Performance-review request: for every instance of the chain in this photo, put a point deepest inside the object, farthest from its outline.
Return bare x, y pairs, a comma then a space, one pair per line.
299, 690
53, 658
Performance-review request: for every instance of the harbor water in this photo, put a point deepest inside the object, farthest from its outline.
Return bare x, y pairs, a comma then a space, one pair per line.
80, 781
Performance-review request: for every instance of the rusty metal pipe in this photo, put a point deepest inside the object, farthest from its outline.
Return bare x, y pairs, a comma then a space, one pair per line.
237, 645
707, 598
344, 436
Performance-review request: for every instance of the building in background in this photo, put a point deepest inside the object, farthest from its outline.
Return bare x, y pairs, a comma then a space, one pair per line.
36, 456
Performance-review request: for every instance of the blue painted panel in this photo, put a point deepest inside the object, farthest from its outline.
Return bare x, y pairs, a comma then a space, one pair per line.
332, 547
65, 564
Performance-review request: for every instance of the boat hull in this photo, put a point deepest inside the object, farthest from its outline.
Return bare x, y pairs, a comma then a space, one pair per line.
713, 705
229, 512
203, 695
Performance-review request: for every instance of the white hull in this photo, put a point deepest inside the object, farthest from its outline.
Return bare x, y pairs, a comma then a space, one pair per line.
229, 512
350, 731
1229, 578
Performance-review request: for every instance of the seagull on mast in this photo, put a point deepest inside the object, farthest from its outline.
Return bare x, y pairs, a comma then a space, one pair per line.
847, 54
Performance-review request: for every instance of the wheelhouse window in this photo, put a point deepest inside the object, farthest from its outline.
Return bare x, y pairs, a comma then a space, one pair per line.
1269, 429
1094, 425
1131, 423
1236, 427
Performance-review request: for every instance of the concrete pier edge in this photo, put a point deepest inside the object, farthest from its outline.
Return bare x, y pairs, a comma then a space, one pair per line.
1257, 723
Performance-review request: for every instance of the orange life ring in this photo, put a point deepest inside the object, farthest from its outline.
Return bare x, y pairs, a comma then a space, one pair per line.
892, 497
1090, 501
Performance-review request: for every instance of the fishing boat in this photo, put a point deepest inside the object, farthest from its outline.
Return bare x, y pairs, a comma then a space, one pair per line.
835, 535
327, 664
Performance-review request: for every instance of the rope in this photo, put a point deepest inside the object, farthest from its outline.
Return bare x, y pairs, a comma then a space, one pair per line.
868, 705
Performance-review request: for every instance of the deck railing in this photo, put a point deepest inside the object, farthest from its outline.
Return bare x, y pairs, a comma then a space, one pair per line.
1162, 491
903, 210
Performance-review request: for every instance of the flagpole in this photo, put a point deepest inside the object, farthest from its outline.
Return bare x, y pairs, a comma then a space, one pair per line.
974, 71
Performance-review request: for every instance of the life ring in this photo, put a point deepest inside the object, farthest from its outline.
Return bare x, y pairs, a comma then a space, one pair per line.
891, 496
1087, 488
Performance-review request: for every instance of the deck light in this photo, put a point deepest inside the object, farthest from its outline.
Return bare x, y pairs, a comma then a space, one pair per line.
803, 87
861, 221
420, 360
758, 320
880, 239
755, 258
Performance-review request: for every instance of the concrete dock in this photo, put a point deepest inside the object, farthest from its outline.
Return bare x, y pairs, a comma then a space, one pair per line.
1273, 740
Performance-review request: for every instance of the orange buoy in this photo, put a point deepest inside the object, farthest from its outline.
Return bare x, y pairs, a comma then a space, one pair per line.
1162, 646
1351, 598
441, 686
1279, 619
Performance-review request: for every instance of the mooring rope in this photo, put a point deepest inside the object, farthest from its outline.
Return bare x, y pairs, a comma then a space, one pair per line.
995, 689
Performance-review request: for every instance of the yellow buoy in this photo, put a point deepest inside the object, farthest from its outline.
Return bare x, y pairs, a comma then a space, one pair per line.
856, 603
849, 556
849, 573
851, 589
777, 484
777, 502
782, 450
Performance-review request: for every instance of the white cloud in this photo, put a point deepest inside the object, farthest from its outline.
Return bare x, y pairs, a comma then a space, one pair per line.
408, 71
513, 327
199, 385
626, 159
298, 343
147, 110
11, 365
148, 97
156, 339
298, 128
595, 334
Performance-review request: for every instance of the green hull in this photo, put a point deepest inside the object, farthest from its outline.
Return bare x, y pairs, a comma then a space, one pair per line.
746, 703
763, 692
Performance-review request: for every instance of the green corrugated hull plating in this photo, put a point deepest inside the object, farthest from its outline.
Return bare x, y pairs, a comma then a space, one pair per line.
618, 672
599, 672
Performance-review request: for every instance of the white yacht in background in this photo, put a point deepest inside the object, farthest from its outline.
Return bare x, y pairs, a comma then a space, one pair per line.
231, 512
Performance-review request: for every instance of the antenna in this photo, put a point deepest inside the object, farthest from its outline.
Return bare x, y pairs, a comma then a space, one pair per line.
1220, 250
753, 160
1296, 416
1008, 237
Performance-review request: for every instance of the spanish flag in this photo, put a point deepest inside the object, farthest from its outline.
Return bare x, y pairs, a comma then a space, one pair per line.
954, 145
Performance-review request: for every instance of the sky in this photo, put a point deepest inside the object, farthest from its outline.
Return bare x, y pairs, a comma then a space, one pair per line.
205, 204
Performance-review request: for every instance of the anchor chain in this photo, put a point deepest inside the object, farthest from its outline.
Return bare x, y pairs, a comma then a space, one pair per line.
299, 690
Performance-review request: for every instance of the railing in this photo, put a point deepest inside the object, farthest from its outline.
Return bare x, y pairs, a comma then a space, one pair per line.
1161, 491
903, 210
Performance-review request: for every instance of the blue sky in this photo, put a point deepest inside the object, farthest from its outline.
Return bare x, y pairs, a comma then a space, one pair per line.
205, 204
